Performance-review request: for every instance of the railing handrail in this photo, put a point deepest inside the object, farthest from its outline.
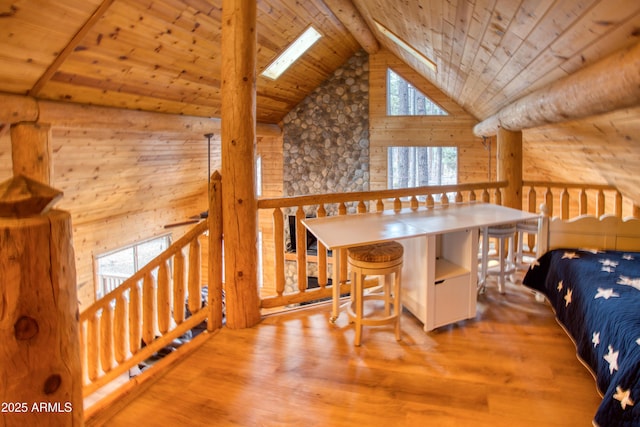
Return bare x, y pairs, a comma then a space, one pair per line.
356, 196
557, 184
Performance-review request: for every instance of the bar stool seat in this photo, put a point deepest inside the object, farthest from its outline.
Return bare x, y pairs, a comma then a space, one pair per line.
504, 234
380, 259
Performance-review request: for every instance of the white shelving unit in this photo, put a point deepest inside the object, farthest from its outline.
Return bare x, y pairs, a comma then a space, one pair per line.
439, 277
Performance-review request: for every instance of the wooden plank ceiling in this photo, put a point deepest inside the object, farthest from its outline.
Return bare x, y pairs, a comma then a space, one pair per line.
164, 55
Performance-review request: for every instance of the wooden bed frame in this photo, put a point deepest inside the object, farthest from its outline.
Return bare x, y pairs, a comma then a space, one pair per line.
590, 232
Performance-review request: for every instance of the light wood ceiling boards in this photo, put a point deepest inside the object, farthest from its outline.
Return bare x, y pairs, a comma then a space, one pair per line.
490, 53
158, 55
164, 55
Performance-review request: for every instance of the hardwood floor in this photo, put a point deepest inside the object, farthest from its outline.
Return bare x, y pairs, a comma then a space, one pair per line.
511, 366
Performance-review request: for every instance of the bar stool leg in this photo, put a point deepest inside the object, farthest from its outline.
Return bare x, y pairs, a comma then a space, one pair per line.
387, 294
397, 305
359, 297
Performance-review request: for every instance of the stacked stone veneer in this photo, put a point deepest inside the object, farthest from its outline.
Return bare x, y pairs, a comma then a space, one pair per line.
326, 141
326, 137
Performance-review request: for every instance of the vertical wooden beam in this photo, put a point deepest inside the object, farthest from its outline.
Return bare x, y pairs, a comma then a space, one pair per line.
40, 369
215, 296
239, 205
510, 166
31, 151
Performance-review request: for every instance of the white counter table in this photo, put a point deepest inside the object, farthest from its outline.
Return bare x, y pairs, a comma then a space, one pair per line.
439, 275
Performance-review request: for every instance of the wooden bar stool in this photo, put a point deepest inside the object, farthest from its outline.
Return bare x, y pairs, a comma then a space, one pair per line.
380, 259
504, 234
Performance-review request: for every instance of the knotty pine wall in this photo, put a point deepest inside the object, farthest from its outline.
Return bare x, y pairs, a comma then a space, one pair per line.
123, 185
453, 130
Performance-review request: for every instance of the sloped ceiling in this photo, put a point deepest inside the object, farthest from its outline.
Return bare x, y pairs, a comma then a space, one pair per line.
164, 55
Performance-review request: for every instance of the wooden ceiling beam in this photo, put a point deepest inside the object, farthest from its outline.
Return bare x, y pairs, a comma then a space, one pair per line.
70, 47
608, 85
20, 108
351, 18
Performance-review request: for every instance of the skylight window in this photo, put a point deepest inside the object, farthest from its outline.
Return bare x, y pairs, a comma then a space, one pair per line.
292, 53
404, 45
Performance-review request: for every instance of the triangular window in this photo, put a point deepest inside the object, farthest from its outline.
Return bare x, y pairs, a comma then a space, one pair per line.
403, 99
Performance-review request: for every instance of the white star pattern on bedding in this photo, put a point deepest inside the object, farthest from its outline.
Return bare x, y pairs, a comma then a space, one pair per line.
628, 281
567, 297
612, 359
624, 396
606, 293
617, 353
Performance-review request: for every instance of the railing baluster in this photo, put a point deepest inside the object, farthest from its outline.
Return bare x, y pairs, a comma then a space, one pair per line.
301, 249
194, 282
472, 196
342, 209
164, 301
93, 346
458, 198
564, 204
429, 202
362, 208
600, 203
618, 208
119, 333
397, 204
444, 199
106, 338
148, 308
135, 318
486, 197
379, 205
548, 200
278, 240
583, 202
322, 253
178, 287
83, 349
533, 207
414, 203
533, 202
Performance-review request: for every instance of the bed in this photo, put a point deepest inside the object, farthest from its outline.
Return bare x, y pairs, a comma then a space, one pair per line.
590, 275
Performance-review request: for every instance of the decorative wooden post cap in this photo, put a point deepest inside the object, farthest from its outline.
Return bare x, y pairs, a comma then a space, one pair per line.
22, 197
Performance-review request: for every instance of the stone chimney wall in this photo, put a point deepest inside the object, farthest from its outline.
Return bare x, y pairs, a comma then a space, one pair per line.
326, 137
326, 142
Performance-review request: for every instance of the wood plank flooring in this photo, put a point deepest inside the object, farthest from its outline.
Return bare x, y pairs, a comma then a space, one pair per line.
511, 366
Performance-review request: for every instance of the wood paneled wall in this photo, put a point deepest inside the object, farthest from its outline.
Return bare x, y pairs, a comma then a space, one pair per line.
456, 129
123, 186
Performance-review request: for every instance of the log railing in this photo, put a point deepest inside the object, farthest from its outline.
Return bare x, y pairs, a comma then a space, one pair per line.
568, 200
343, 204
149, 309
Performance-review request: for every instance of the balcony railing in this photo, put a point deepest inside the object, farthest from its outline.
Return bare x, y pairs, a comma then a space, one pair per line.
148, 310
276, 292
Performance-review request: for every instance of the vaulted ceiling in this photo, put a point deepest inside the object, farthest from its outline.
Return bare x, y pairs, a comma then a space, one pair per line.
164, 55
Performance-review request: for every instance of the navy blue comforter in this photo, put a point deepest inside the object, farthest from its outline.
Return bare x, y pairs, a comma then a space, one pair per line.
596, 297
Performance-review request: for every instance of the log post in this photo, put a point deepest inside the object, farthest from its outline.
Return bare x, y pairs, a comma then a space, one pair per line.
216, 294
239, 204
40, 369
510, 166
31, 151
